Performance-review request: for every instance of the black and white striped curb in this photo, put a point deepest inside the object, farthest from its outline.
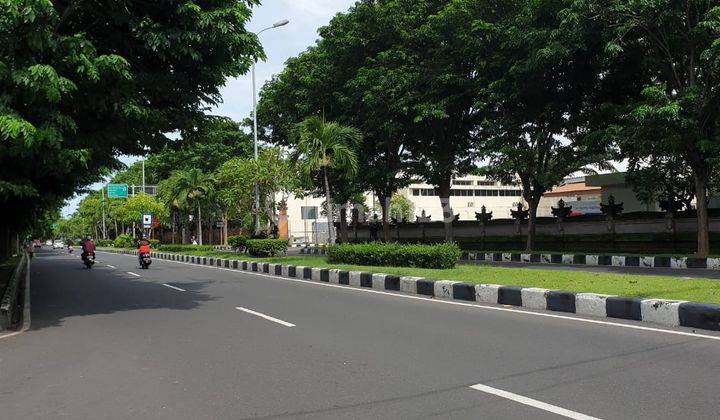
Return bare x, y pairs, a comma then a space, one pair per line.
651, 261
658, 311
317, 250
594, 259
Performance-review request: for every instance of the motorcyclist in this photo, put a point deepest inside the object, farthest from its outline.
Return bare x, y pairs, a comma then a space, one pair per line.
88, 248
143, 247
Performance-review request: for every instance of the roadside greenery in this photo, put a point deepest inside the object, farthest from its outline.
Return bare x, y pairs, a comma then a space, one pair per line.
266, 247
441, 256
85, 81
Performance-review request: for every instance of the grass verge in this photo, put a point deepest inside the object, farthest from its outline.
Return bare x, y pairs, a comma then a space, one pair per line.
642, 286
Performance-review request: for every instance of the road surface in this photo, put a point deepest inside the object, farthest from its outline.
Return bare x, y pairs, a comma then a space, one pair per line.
179, 341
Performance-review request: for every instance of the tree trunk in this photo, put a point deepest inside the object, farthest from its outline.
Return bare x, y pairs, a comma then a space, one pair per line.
328, 208
199, 227
532, 222
448, 216
385, 209
701, 204
343, 225
225, 229
116, 228
174, 228
183, 235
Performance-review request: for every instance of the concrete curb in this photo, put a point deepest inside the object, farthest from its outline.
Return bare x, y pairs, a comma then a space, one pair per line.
656, 311
649, 261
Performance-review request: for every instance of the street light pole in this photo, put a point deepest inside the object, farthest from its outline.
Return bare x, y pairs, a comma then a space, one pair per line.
255, 137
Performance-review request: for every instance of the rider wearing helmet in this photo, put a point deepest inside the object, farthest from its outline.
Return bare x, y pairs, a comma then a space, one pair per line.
88, 247
143, 246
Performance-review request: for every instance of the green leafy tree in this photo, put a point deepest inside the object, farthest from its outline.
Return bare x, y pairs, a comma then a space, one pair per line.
671, 110
542, 102
190, 190
323, 146
205, 146
83, 81
136, 206
273, 173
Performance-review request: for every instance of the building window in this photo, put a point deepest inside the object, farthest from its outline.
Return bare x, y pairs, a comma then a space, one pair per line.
462, 182
416, 191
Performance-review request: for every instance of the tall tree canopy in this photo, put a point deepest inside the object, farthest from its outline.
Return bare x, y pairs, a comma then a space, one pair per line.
675, 113
83, 81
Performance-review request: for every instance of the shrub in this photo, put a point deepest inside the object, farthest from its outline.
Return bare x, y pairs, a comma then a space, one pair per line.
104, 243
266, 247
124, 241
182, 248
440, 256
154, 243
238, 242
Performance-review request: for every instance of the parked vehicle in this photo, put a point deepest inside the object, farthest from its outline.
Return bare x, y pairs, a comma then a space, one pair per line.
49, 242
58, 245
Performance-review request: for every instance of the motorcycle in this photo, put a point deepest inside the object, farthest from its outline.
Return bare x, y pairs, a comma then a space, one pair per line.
89, 259
144, 259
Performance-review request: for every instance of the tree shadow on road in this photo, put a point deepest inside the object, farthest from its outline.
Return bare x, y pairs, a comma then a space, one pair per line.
62, 288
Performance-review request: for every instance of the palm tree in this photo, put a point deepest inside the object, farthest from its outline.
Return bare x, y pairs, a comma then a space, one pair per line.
188, 189
322, 146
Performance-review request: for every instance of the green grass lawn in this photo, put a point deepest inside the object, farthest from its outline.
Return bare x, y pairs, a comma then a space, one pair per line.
644, 286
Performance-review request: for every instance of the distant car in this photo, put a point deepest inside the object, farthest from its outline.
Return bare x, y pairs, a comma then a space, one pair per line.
49, 242
58, 244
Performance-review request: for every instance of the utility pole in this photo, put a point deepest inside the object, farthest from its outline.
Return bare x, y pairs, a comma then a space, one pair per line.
143, 175
102, 204
257, 188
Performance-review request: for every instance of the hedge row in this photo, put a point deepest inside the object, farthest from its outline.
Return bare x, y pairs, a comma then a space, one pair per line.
442, 256
266, 247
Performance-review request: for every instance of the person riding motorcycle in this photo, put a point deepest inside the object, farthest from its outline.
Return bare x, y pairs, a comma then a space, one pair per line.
143, 248
88, 248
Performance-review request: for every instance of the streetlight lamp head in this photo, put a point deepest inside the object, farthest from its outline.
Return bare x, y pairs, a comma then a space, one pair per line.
281, 23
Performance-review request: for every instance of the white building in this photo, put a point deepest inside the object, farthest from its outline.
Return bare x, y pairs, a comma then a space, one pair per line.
467, 195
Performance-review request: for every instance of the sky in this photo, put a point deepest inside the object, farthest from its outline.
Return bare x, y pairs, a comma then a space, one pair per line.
305, 17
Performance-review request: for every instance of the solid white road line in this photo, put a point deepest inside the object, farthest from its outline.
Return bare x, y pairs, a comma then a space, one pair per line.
533, 403
111, 266
173, 287
136, 275
269, 318
522, 312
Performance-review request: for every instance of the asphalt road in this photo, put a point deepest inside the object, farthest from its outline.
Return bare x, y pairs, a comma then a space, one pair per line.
171, 344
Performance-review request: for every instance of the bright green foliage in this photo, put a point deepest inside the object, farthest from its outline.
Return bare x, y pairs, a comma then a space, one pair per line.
238, 242
206, 146
266, 247
82, 81
139, 204
124, 241
541, 101
401, 208
324, 146
671, 103
273, 173
441, 256
189, 191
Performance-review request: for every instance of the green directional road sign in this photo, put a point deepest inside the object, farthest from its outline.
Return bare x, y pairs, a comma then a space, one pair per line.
117, 191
